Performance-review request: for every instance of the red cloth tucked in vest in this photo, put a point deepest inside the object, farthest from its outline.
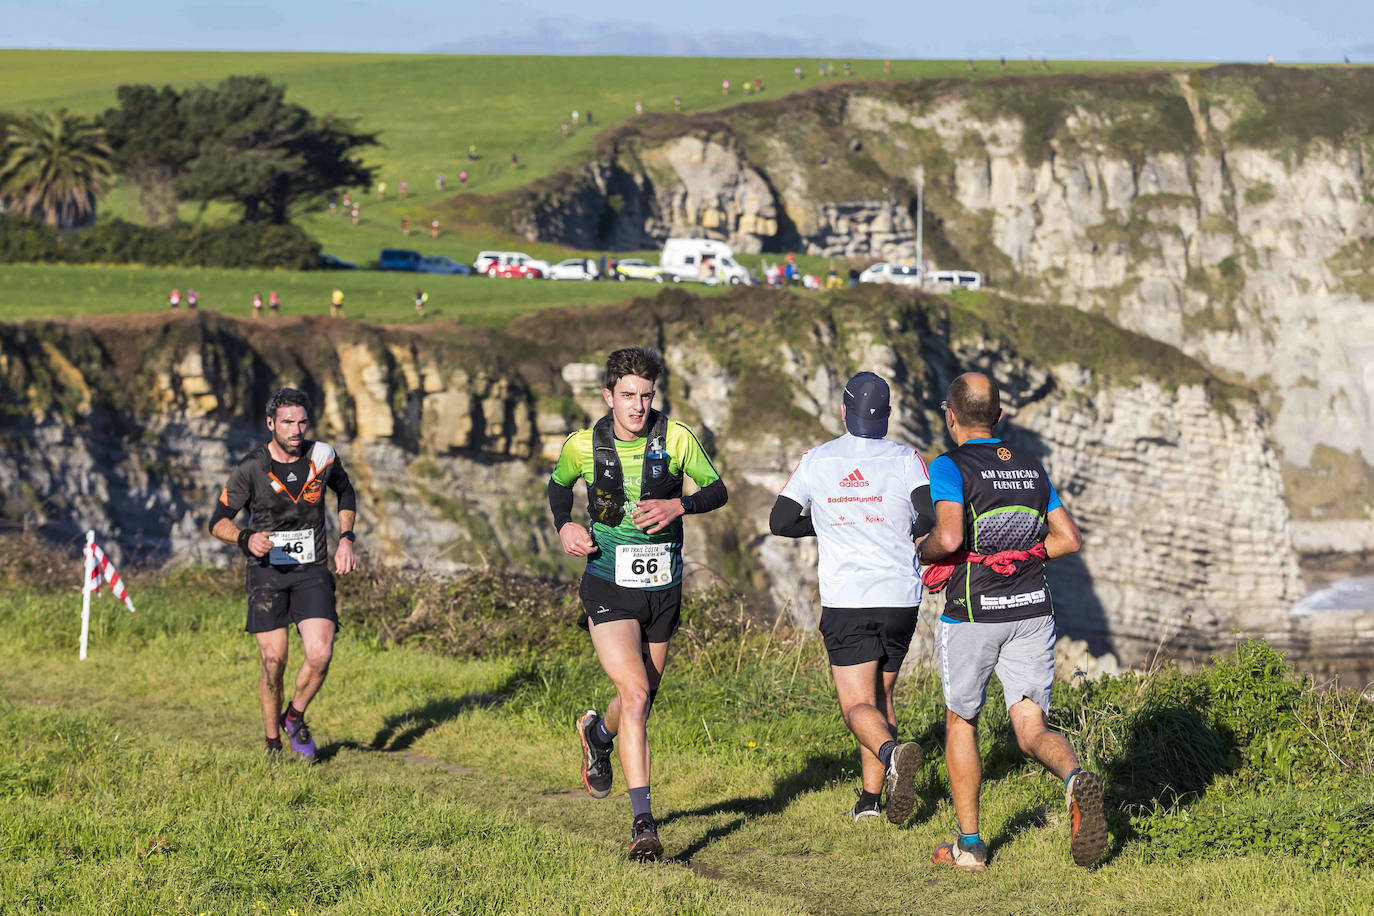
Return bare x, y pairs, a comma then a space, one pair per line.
1004, 563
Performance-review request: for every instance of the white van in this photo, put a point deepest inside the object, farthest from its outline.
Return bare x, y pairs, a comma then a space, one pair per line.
968, 279
703, 261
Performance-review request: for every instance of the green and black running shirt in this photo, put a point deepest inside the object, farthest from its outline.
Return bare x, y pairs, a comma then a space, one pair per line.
620, 547
287, 500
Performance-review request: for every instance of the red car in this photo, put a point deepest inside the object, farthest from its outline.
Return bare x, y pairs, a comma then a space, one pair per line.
515, 264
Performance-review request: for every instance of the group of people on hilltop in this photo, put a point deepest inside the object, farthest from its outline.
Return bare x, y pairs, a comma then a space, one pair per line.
980, 523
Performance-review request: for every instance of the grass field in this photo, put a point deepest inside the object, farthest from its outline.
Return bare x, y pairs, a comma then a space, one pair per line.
29, 291
134, 783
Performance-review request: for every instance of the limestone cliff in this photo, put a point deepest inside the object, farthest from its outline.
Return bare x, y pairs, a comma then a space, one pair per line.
1227, 211
131, 427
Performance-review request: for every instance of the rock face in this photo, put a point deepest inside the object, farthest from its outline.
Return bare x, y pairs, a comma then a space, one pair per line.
1228, 212
1169, 471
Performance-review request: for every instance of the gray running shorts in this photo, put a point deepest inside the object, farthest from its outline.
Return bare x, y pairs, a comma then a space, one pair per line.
1020, 651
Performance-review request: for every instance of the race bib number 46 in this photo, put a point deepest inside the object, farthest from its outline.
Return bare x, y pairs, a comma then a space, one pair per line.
292, 548
643, 565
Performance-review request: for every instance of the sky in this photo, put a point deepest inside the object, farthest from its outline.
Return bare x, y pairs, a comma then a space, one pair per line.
1223, 30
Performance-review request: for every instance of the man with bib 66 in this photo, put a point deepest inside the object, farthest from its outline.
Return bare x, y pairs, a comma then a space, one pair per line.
633, 460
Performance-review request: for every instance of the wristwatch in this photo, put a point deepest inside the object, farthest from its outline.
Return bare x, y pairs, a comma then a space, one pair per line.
686, 504
348, 534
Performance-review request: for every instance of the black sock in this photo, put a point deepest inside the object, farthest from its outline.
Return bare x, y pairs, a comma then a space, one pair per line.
274, 744
639, 800
868, 799
885, 753
601, 736
291, 712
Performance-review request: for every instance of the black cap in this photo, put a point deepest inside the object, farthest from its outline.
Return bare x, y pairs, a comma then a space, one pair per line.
866, 406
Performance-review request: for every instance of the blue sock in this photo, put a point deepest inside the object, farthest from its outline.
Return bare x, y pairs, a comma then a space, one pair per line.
600, 735
885, 753
966, 840
1069, 778
639, 800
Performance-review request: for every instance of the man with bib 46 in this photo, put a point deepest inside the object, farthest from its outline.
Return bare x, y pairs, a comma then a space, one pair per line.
282, 484
633, 460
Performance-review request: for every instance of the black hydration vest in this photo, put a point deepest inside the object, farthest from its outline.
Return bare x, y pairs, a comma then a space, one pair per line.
606, 494
1006, 499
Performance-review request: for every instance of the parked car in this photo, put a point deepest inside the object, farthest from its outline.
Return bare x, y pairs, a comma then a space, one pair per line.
638, 269
574, 269
702, 260
516, 264
398, 259
437, 264
899, 274
968, 279
329, 262
484, 260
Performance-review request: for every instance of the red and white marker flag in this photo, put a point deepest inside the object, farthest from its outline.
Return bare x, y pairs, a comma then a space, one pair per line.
98, 566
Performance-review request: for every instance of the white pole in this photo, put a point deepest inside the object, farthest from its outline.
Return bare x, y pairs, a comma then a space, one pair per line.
86, 593
920, 221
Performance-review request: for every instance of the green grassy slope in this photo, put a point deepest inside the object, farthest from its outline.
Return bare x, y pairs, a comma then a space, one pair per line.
133, 782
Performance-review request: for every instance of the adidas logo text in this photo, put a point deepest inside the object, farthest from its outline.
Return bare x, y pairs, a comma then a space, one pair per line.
855, 479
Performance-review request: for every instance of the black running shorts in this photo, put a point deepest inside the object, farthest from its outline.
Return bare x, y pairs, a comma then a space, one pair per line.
854, 636
280, 596
658, 612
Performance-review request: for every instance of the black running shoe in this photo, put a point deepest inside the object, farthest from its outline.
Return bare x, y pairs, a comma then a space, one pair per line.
901, 781
644, 843
596, 764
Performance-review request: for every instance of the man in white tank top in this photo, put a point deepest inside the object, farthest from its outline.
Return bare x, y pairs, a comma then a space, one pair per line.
868, 497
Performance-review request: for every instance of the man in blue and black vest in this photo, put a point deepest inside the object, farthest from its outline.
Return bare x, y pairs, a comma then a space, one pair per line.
997, 520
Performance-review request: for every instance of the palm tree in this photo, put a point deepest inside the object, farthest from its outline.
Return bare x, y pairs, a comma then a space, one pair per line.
58, 163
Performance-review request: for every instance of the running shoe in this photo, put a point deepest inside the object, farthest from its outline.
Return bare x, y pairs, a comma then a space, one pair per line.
273, 751
901, 781
964, 858
858, 813
596, 764
644, 843
301, 740
1088, 836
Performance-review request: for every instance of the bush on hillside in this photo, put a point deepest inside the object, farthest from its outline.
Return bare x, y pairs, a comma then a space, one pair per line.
114, 241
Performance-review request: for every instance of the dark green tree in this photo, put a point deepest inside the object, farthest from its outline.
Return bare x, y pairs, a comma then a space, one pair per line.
151, 146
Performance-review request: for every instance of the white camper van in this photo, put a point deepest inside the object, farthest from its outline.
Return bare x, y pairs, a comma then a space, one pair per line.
702, 261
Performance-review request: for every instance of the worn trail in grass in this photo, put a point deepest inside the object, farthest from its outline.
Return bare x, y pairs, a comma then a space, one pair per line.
134, 782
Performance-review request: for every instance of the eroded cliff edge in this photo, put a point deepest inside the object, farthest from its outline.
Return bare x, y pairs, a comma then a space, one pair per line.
1227, 211
131, 425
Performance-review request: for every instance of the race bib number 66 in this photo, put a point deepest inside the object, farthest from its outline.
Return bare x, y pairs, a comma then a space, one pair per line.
292, 548
643, 565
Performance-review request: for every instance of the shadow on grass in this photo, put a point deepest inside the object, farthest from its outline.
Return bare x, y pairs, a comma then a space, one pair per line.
401, 730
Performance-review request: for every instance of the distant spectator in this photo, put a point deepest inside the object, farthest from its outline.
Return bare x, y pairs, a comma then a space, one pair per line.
257, 305
333, 208
758, 85
174, 299
589, 117
748, 88
565, 128
192, 299
677, 103
434, 228
574, 117
724, 87
405, 225
853, 276
887, 66
1044, 63
514, 161
336, 303
772, 274
274, 303
970, 65
472, 151
421, 297
820, 70
639, 107
848, 70
347, 202
603, 275
462, 178
440, 182
381, 190
353, 214
832, 279
1004, 63
401, 189
1271, 60
614, 274
797, 71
